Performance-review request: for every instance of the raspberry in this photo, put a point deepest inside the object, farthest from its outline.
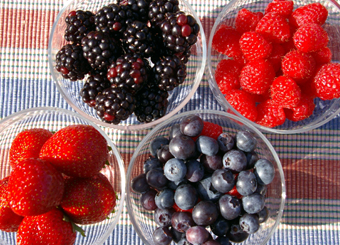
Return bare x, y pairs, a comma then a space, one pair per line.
327, 81
257, 76
298, 65
211, 129
322, 56
310, 38
276, 56
269, 114
310, 13
302, 111
254, 46
226, 41
285, 92
289, 45
283, 8
274, 28
243, 102
226, 75
246, 20
308, 89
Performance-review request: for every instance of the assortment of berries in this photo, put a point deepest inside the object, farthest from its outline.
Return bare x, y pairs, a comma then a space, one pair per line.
136, 45
278, 62
55, 183
202, 178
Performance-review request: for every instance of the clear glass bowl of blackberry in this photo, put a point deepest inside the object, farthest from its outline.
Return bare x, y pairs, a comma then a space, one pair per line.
54, 119
127, 64
187, 184
296, 16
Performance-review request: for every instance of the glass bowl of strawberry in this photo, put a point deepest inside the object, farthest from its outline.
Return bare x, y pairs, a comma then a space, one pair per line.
125, 65
200, 178
62, 179
276, 63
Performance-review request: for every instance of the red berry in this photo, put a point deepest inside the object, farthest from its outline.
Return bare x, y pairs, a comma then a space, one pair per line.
211, 129
269, 114
226, 75
182, 19
109, 117
242, 102
257, 76
322, 56
64, 70
117, 26
186, 30
302, 111
255, 46
327, 81
72, 13
310, 38
285, 92
310, 13
289, 45
246, 20
283, 8
308, 89
235, 193
276, 56
226, 41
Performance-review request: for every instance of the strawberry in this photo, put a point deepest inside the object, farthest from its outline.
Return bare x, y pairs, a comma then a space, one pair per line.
310, 38
281, 7
298, 66
226, 41
27, 144
274, 28
76, 150
88, 200
226, 75
301, 111
255, 46
310, 13
9, 221
243, 102
322, 56
246, 20
276, 56
327, 81
257, 76
48, 228
34, 187
269, 114
285, 92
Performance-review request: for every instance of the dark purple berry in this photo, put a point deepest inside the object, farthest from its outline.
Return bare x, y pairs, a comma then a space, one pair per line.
235, 160
207, 145
226, 142
195, 171
185, 196
175, 170
182, 221
246, 183
139, 184
253, 203
191, 126
147, 200
182, 147
230, 207
156, 178
165, 199
223, 180
249, 223
264, 171
157, 143
245, 141
205, 213
163, 216
162, 236
197, 235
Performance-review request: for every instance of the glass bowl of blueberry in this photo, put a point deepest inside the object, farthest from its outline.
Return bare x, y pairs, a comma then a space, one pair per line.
205, 177
127, 65
276, 63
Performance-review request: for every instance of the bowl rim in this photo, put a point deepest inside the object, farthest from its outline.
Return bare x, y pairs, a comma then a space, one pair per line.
197, 80
6, 122
220, 113
226, 105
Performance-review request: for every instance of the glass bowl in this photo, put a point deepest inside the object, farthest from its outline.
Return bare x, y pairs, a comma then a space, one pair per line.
70, 90
324, 110
54, 119
143, 220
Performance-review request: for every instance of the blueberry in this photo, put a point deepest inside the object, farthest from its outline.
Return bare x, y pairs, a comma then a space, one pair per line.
230, 207
191, 125
184, 241
236, 234
182, 221
223, 180
163, 216
174, 131
151, 163
185, 196
245, 141
261, 189
252, 158
165, 199
156, 143
264, 171
147, 200
226, 142
207, 145
175, 170
246, 183
235, 160
206, 190
197, 235
139, 184
211, 163
263, 215
182, 147
156, 178
173, 185
195, 170
162, 236
164, 154
249, 223
220, 227
205, 213
223, 240
253, 203
176, 235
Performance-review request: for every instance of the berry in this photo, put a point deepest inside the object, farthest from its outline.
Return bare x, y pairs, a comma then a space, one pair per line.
246, 183
205, 213
236, 234
186, 196
310, 13
226, 41
150, 163
230, 207
253, 203
197, 235
164, 199
147, 200
285, 92
223, 180
195, 171
264, 171
182, 147
281, 7
257, 76
302, 110
157, 143
211, 163
78, 24
182, 221
207, 145
227, 75
274, 27
322, 56
139, 8
191, 125
76, 150
327, 81
255, 46
235, 160
250, 223
269, 114
310, 38
245, 141
175, 170
263, 215
139, 184
163, 216
207, 191
275, 57
243, 102
164, 154
159, 8
226, 142
211, 130
162, 236
247, 20
220, 227
157, 179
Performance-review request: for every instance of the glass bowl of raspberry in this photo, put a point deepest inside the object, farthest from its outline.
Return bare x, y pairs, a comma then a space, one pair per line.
25, 137
185, 184
276, 63
125, 65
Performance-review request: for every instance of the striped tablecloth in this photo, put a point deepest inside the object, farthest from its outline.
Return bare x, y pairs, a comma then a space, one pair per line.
310, 160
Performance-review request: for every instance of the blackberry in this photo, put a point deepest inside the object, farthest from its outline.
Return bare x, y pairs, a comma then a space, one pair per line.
139, 39
151, 104
71, 63
140, 8
79, 23
94, 85
159, 8
100, 50
169, 72
114, 105
129, 71
179, 31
